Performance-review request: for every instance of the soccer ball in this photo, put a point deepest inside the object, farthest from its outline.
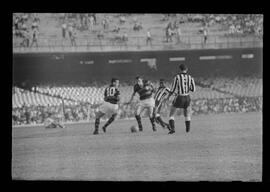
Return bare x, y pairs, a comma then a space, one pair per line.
134, 129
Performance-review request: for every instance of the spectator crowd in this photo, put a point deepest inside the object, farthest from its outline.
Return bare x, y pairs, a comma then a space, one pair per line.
82, 112
26, 27
123, 28
242, 95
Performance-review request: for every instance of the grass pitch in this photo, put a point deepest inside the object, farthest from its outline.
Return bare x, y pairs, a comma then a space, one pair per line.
223, 147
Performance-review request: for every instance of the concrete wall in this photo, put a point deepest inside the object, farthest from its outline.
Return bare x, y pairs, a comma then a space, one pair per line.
78, 67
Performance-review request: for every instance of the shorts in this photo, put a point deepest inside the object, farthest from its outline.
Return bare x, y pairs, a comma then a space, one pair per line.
107, 107
181, 101
150, 102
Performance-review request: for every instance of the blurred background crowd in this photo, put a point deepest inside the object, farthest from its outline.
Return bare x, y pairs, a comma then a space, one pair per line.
89, 29
74, 113
222, 95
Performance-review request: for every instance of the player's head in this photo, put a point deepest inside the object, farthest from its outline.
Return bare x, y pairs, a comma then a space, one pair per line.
161, 83
183, 68
146, 82
115, 82
139, 81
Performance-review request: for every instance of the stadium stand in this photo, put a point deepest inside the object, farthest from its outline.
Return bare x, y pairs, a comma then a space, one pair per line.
219, 95
248, 87
114, 32
130, 30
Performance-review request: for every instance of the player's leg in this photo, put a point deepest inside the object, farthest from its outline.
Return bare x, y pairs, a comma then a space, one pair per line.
171, 119
152, 117
112, 109
112, 118
161, 122
156, 110
99, 114
60, 125
187, 114
157, 114
158, 117
150, 104
52, 125
175, 104
138, 117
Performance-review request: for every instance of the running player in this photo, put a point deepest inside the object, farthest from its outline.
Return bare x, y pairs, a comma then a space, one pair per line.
161, 95
109, 106
145, 90
182, 85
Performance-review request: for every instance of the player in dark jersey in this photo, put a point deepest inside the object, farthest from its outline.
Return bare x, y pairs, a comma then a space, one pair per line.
161, 95
145, 90
182, 85
109, 106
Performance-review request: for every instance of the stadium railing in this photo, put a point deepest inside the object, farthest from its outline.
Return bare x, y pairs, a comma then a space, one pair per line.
138, 43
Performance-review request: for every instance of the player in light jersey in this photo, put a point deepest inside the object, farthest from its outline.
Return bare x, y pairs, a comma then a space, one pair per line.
109, 106
162, 94
182, 85
145, 90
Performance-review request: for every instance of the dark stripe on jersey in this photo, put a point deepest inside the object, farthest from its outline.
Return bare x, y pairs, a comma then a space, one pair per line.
188, 83
163, 95
158, 93
158, 97
184, 84
161, 91
181, 84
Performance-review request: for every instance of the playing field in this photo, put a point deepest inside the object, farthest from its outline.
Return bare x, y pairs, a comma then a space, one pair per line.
220, 147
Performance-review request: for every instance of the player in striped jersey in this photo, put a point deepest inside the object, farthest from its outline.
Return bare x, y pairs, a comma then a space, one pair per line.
161, 95
182, 85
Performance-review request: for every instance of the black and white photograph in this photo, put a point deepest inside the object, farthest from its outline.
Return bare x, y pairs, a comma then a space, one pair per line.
137, 97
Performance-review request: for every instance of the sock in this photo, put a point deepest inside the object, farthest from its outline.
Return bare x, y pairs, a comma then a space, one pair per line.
160, 121
138, 118
171, 122
152, 120
97, 123
109, 121
187, 126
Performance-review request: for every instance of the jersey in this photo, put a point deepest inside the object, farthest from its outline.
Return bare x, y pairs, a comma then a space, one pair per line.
111, 95
183, 84
161, 94
145, 92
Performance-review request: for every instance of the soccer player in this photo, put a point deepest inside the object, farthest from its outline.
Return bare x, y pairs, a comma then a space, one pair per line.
145, 90
161, 95
51, 122
182, 85
109, 106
